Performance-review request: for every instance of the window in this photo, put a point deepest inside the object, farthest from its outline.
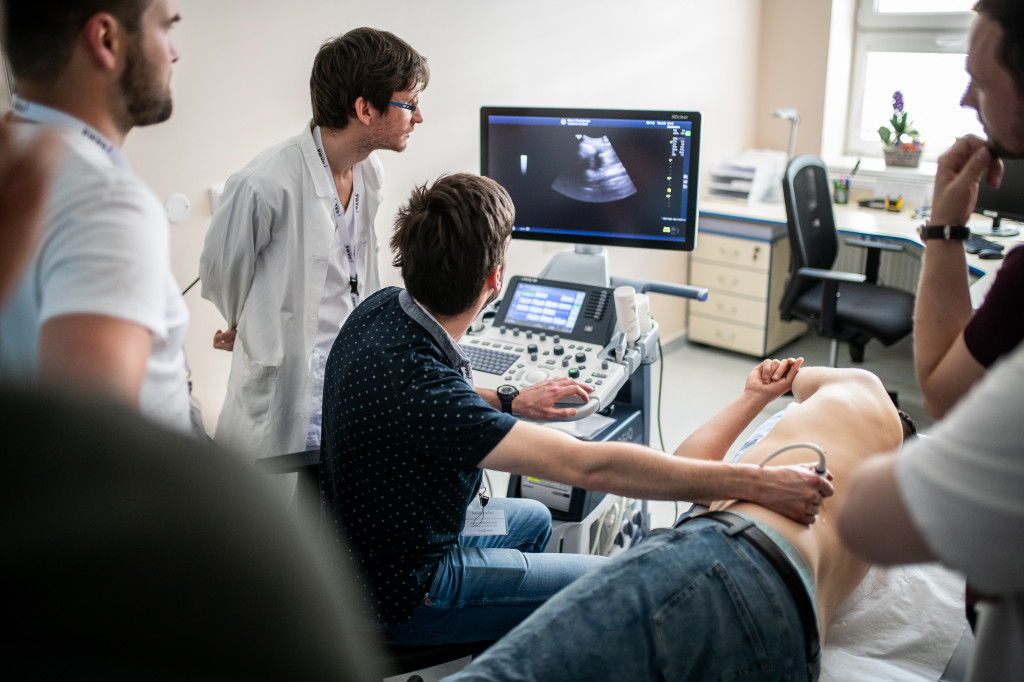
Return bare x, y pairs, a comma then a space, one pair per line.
919, 48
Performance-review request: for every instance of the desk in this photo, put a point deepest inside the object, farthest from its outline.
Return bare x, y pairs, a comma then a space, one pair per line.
742, 257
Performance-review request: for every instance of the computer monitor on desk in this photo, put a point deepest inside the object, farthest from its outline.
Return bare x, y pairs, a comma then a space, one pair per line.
1005, 202
596, 177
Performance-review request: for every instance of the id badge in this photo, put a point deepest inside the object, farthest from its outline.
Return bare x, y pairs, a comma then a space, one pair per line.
484, 520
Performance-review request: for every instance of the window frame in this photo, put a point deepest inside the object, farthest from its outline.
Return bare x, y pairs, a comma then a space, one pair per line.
934, 33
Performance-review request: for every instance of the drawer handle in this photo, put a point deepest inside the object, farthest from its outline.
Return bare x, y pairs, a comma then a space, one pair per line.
727, 308
728, 336
735, 253
731, 281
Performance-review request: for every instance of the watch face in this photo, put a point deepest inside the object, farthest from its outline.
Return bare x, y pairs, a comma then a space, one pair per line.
507, 391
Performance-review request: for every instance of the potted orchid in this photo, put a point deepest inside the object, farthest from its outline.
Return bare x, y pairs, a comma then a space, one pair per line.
897, 150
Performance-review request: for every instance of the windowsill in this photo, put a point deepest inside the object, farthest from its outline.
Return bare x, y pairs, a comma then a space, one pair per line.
874, 169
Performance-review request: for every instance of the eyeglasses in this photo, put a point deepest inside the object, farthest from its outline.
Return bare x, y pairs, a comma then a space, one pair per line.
404, 105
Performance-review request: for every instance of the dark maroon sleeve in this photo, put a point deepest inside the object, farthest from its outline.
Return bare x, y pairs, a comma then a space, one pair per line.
998, 325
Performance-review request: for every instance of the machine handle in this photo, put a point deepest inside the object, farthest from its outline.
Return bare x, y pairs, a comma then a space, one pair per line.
679, 290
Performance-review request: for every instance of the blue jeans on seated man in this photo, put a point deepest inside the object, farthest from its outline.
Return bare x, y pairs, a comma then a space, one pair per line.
689, 603
490, 583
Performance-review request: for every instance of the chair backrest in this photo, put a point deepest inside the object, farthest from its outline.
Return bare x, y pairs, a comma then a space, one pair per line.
809, 218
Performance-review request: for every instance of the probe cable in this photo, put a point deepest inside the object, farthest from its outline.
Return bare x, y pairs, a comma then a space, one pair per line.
820, 469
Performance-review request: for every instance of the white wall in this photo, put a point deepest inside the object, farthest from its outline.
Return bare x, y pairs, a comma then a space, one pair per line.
242, 85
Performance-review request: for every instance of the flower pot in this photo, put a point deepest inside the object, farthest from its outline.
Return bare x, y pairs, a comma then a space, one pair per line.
907, 158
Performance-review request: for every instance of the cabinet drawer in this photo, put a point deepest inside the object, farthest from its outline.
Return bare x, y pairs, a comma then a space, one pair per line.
726, 335
719, 278
729, 250
732, 309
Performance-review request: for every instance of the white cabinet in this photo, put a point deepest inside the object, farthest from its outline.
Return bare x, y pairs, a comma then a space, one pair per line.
743, 263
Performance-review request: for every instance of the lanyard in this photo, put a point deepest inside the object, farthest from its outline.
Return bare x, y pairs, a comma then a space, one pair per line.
348, 236
39, 113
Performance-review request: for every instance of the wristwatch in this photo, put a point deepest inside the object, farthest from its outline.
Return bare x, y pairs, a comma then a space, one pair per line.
506, 394
947, 232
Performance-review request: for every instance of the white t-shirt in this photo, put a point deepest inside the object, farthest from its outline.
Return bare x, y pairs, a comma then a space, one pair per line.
105, 250
964, 490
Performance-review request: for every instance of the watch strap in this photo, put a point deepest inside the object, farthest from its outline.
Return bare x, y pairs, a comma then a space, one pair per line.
946, 232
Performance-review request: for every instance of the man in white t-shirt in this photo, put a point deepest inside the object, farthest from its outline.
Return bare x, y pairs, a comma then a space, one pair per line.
98, 308
957, 496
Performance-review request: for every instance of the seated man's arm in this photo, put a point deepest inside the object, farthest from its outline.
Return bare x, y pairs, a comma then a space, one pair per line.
945, 368
640, 472
874, 521
766, 382
95, 352
537, 402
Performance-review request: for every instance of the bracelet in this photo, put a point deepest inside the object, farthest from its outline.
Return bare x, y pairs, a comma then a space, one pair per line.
946, 232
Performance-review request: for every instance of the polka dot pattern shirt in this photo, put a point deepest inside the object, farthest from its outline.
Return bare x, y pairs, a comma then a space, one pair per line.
403, 434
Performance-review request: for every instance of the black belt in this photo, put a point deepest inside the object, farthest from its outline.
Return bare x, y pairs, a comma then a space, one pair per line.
787, 572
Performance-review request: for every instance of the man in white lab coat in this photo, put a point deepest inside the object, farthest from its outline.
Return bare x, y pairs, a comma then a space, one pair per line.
292, 249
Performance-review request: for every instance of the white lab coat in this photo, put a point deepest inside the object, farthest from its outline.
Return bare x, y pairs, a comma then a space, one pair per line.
264, 264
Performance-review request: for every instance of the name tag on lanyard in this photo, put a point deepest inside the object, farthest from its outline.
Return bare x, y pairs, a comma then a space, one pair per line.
348, 236
39, 113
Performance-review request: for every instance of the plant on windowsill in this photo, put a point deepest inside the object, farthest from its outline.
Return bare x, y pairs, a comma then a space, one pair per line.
897, 151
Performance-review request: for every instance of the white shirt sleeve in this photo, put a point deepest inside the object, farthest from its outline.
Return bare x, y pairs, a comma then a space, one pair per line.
108, 255
239, 231
964, 485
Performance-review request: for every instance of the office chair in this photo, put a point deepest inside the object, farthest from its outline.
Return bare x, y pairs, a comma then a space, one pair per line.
397, 659
841, 306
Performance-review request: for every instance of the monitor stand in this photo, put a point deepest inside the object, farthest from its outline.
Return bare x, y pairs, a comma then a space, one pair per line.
585, 264
997, 230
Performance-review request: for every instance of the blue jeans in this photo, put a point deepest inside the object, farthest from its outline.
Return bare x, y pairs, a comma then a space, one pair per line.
692, 603
489, 584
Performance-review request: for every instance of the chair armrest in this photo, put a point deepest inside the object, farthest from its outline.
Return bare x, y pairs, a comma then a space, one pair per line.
880, 246
833, 275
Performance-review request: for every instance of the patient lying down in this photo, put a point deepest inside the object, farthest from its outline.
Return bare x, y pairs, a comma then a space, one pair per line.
701, 600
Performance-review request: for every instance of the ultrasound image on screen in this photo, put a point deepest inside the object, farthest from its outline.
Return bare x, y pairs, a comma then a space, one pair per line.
596, 180
597, 176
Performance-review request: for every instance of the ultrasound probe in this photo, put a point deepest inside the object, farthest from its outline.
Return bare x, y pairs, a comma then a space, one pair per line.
820, 469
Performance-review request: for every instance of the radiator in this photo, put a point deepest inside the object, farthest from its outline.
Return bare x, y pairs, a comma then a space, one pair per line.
899, 270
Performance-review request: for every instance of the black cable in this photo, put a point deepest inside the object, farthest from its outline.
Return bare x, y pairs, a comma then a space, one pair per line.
194, 282
661, 378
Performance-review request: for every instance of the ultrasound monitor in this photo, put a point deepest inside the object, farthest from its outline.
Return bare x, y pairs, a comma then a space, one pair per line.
1005, 202
596, 176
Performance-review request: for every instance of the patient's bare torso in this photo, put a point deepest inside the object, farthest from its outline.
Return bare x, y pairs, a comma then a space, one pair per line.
849, 422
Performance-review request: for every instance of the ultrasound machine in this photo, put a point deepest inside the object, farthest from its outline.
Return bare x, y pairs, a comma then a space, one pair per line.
593, 178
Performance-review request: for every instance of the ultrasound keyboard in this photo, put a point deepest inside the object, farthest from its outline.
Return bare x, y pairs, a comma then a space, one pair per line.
484, 358
544, 330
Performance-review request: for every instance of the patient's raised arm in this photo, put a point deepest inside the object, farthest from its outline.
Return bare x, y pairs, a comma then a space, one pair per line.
766, 382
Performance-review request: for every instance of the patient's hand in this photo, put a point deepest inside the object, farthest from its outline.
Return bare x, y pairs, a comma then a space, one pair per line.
771, 379
794, 491
537, 402
225, 340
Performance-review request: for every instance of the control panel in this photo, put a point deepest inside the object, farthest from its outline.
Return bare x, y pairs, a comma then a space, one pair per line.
545, 329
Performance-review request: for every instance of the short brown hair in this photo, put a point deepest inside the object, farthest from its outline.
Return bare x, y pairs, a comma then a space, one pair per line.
450, 237
363, 63
1009, 14
39, 37
909, 425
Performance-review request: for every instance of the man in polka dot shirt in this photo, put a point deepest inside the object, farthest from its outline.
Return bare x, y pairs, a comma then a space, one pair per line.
405, 439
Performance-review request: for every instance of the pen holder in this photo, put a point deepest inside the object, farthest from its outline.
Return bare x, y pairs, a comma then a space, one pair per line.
840, 192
